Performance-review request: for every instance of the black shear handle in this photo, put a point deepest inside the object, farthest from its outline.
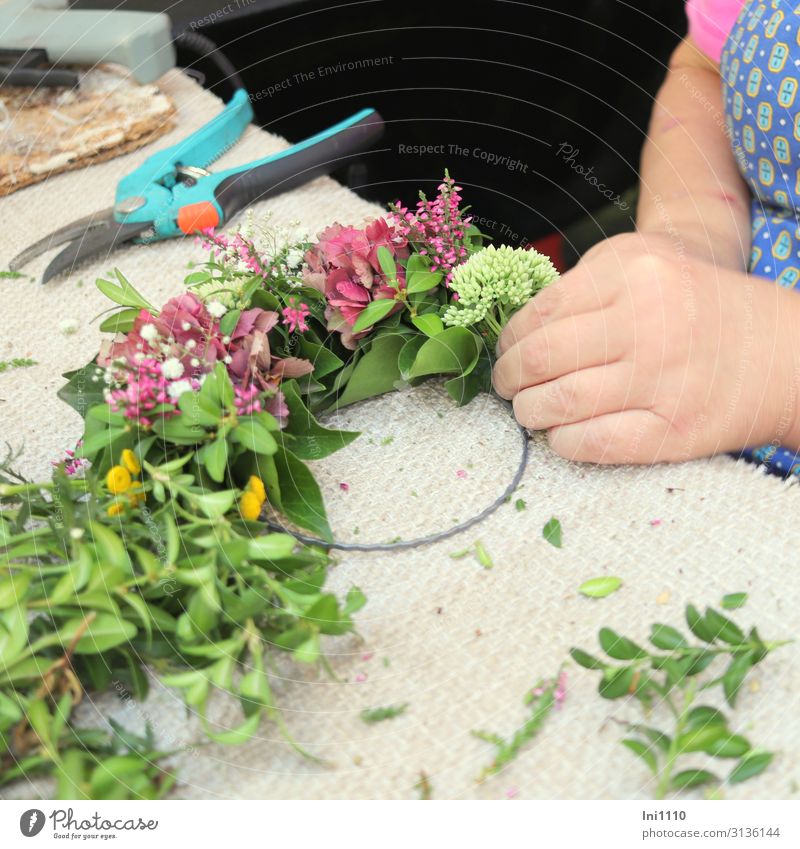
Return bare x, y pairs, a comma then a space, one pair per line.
301, 163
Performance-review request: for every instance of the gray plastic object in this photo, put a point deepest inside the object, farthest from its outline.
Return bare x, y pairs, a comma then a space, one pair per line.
141, 41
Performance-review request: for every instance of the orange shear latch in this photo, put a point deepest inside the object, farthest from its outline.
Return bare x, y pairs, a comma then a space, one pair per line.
196, 217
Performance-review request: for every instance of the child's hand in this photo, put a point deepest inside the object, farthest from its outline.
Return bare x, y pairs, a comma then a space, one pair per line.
641, 354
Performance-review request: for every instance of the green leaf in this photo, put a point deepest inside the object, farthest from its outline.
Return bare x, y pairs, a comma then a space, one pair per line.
519, 505
464, 387
301, 499
229, 321
642, 751
600, 587
380, 714
723, 628
701, 739
271, 547
13, 587
13, 634
214, 456
103, 633
692, 778
422, 281
697, 624
734, 677
354, 601
750, 766
100, 440
120, 322
325, 615
430, 324
235, 736
373, 312
376, 372
667, 638
586, 660
196, 413
699, 662
614, 685
253, 436
123, 293
387, 264
454, 350
620, 648
704, 715
80, 391
214, 504
325, 362
310, 440
552, 532
733, 600
731, 746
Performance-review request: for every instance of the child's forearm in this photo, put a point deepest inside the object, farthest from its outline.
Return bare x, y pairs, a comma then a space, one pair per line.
691, 188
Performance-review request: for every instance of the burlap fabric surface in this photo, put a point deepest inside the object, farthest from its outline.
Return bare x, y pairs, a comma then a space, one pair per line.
461, 644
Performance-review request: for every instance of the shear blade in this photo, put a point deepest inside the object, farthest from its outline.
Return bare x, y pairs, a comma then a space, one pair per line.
96, 240
58, 237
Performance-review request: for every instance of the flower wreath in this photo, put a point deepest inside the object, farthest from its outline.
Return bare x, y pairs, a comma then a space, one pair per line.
147, 546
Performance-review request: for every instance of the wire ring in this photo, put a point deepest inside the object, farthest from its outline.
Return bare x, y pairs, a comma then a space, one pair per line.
429, 539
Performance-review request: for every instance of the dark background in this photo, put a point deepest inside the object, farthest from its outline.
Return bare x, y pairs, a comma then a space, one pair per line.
515, 79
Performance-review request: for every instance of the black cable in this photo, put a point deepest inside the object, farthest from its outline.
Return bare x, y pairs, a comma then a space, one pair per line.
204, 48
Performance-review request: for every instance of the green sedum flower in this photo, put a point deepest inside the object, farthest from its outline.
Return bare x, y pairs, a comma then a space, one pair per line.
494, 283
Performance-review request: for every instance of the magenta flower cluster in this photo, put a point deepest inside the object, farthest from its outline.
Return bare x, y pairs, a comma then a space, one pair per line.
438, 227
294, 317
145, 388
344, 266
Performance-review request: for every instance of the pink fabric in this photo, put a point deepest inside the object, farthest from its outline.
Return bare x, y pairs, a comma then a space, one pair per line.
710, 23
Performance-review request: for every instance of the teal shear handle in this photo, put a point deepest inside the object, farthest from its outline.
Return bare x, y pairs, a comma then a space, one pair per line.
173, 191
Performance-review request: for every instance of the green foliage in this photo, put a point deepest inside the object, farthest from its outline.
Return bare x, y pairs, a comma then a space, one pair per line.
175, 579
541, 700
16, 362
552, 532
600, 587
672, 676
379, 714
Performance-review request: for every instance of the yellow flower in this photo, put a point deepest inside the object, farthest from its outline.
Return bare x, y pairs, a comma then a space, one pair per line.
250, 506
118, 479
256, 486
130, 461
115, 509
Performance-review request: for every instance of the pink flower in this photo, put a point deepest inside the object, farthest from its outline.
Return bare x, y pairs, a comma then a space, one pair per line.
344, 266
295, 317
437, 228
345, 487
73, 465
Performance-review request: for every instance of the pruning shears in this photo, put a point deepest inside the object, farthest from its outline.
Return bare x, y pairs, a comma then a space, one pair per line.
172, 193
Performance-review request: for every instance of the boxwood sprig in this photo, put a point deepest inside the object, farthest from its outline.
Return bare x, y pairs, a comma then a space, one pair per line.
673, 676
